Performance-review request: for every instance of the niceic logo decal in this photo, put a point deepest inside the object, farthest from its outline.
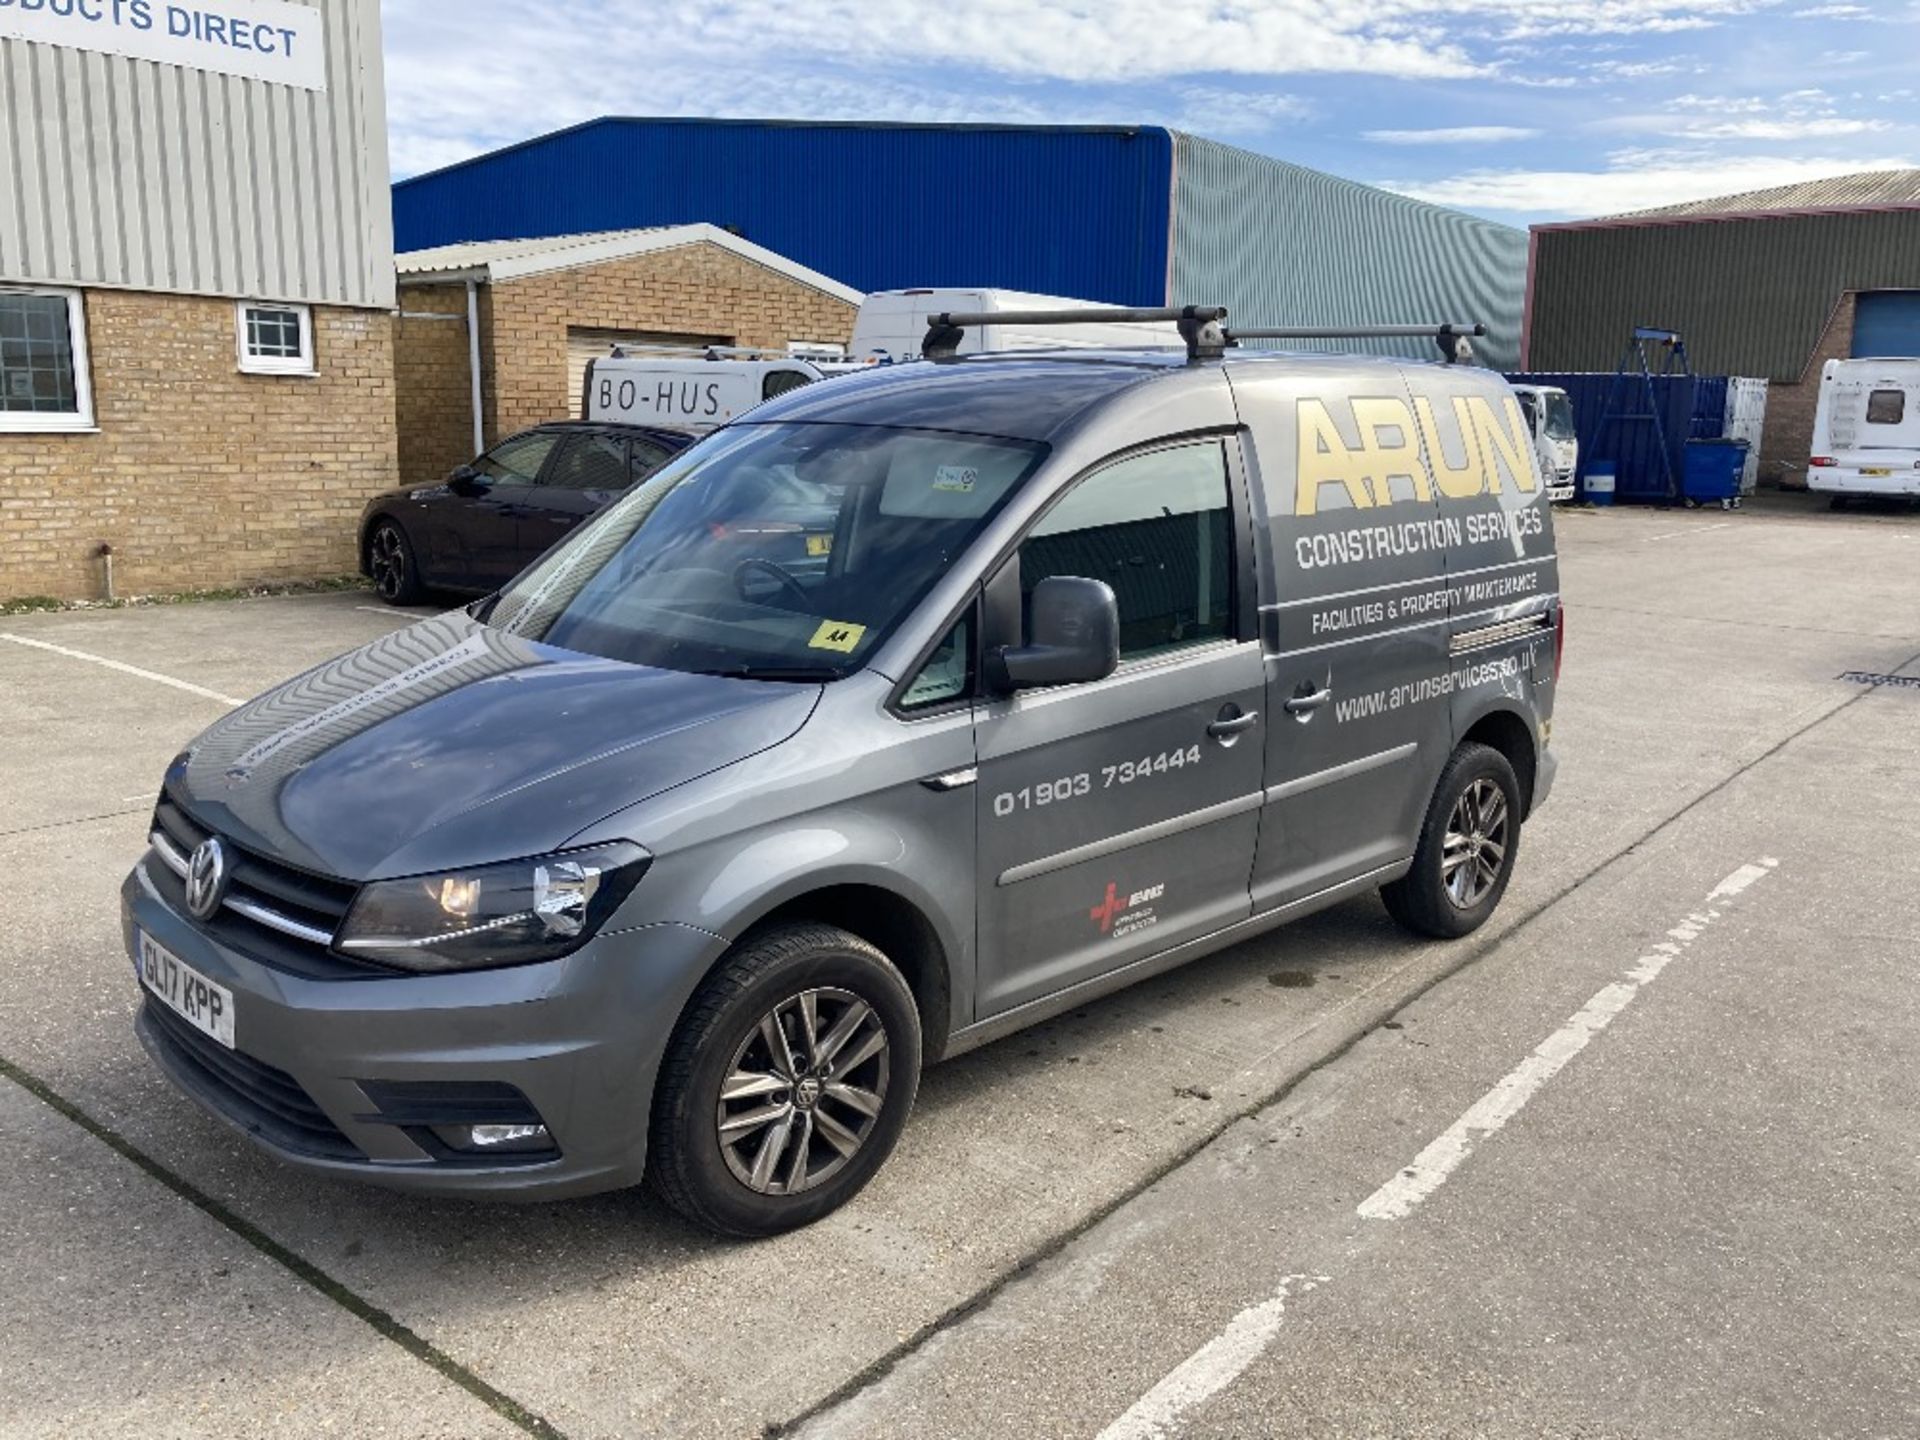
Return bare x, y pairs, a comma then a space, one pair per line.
1119, 915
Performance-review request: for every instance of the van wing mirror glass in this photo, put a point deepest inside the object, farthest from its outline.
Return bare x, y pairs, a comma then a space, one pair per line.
1075, 637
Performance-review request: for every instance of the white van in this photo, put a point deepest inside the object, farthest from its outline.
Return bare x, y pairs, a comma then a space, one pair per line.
1866, 431
691, 389
1549, 413
892, 324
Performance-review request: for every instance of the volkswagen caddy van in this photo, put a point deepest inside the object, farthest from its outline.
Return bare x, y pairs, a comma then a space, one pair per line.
680, 861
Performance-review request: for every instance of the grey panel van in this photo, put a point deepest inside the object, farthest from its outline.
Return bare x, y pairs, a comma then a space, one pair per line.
673, 859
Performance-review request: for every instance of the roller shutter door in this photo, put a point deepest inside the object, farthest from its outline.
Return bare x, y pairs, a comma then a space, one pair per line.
1887, 322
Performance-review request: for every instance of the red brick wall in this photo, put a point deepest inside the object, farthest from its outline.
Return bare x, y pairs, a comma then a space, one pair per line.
1788, 439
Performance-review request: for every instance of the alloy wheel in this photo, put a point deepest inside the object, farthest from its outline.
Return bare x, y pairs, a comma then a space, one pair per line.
387, 559
1475, 846
804, 1091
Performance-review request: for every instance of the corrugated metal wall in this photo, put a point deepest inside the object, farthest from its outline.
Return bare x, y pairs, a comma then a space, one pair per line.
1282, 245
1751, 297
1060, 210
130, 173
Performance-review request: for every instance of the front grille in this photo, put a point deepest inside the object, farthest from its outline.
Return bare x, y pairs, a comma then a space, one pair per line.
263, 1101
263, 898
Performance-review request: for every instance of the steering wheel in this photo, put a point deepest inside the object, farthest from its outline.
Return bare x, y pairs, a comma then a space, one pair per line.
786, 581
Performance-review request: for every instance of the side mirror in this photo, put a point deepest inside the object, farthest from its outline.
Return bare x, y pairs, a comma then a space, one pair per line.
1076, 637
465, 480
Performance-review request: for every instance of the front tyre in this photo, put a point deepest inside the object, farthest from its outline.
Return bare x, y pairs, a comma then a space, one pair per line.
1467, 848
786, 1083
390, 561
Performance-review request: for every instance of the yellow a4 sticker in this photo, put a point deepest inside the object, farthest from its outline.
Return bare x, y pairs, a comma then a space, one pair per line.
818, 545
837, 635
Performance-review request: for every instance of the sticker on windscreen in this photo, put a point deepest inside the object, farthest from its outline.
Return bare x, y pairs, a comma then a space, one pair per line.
837, 635
956, 479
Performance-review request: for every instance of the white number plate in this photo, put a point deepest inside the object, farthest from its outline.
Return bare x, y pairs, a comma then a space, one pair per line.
184, 990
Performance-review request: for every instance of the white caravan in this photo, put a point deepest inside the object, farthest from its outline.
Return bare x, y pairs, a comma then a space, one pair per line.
1549, 414
893, 323
1866, 431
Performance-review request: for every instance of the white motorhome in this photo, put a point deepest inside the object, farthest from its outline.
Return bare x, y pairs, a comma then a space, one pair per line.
692, 389
1866, 431
893, 323
1549, 413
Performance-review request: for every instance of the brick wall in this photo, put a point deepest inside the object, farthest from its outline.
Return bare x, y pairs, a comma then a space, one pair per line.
1787, 441
697, 289
200, 476
432, 393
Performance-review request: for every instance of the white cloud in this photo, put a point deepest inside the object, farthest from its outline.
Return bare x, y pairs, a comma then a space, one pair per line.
1457, 135
1834, 12
1636, 181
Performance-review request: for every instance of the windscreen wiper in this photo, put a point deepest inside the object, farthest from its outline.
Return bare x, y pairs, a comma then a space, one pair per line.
809, 674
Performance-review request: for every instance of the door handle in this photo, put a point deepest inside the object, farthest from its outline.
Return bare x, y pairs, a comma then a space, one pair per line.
1303, 705
952, 780
1230, 726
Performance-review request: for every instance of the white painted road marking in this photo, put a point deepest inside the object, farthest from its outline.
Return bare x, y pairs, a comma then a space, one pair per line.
1211, 1368
402, 616
1690, 530
125, 669
1223, 1359
1400, 1196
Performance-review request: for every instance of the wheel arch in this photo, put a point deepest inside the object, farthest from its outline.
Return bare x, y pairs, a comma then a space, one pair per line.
1510, 732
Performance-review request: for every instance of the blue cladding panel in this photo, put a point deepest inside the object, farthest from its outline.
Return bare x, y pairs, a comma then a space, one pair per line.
1691, 407
1887, 322
1061, 211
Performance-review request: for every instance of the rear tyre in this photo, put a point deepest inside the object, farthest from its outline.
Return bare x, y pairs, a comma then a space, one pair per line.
1838, 502
396, 574
1468, 844
786, 1083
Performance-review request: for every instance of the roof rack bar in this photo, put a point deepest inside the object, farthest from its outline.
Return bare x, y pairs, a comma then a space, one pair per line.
1451, 337
1200, 325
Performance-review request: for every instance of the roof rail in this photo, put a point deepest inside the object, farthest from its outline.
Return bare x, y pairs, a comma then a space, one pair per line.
1451, 338
703, 352
1201, 326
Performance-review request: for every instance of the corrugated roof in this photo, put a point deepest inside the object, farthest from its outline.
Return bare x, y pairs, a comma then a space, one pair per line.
512, 259
478, 254
1868, 189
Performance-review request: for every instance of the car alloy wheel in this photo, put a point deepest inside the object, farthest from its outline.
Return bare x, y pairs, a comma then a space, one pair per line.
1475, 845
803, 1092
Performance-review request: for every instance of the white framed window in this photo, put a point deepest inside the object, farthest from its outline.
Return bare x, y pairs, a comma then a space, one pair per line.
44, 384
275, 339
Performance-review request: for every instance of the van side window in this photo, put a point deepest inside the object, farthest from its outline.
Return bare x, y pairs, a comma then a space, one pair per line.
779, 382
1157, 529
948, 673
1886, 407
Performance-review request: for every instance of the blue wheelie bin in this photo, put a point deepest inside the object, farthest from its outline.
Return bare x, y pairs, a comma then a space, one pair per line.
1712, 472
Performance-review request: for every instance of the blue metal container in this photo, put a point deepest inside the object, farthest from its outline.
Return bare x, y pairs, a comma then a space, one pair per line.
1646, 470
1712, 470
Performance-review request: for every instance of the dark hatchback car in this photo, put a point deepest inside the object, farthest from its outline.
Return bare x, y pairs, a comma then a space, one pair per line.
495, 515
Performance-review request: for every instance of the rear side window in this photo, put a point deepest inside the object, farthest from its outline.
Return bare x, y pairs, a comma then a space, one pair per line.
590, 462
1886, 407
1157, 529
779, 382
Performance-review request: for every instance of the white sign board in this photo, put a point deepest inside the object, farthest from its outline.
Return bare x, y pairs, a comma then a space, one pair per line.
262, 39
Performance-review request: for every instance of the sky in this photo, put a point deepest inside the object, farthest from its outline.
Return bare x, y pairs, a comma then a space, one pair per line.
1524, 111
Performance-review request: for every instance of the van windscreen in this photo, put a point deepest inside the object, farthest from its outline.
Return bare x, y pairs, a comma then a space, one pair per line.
769, 551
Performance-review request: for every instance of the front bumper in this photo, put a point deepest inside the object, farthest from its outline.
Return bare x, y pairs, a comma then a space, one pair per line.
580, 1038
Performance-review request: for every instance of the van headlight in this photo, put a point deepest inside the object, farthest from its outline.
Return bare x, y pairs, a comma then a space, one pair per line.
507, 914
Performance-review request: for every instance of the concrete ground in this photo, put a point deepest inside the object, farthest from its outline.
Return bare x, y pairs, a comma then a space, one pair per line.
1641, 1158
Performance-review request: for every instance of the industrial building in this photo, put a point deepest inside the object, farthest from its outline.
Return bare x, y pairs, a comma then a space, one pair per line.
1771, 283
1132, 215
196, 280
495, 336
